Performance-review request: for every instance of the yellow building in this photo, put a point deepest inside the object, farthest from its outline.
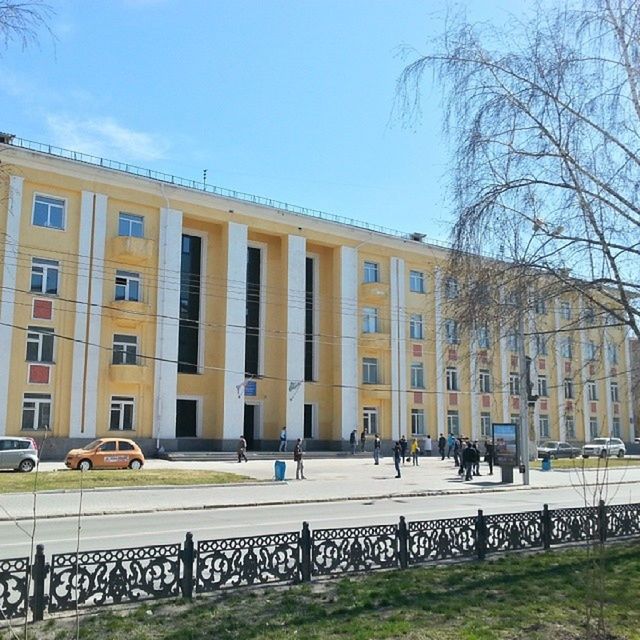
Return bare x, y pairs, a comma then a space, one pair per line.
139, 302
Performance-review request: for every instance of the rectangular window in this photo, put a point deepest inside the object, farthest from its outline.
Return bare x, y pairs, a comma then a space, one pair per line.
565, 310
417, 422
568, 388
370, 420
39, 344
452, 379
369, 320
416, 281
309, 320
369, 370
593, 428
612, 353
543, 423
513, 341
566, 348
590, 350
482, 335
127, 286
371, 272
416, 331
543, 391
122, 413
589, 316
451, 289
36, 411
125, 349
615, 397
570, 427
592, 390
485, 425
453, 423
514, 384
484, 381
451, 331
48, 212
540, 306
131, 225
252, 309
417, 375
44, 276
541, 345
615, 428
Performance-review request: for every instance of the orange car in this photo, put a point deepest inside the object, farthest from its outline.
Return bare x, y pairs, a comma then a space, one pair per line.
106, 453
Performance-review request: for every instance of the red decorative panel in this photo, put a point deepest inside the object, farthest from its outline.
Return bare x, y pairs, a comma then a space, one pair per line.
543, 405
38, 374
453, 354
567, 367
453, 398
417, 351
486, 401
417, 397
43, 309
568, 406
594, 407
482, 353
484, 360
542, 363
616, 408
592, 369
514, 362
614, 371
515, 403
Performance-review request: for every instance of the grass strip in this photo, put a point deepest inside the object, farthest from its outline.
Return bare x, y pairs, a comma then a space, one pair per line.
534, 596
591, 463
66, 480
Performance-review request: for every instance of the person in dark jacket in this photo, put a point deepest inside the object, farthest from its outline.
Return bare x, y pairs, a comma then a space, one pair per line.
353, 442
403, 446
397, 456
468, 459
489, 453
242, 449
476, 464
456, 452
442, 443
376, 449
363, 440
297, 457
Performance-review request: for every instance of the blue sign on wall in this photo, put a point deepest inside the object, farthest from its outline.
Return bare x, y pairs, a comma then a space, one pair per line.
250, 388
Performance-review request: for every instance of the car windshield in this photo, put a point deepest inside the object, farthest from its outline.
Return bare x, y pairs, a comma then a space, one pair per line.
550, 445
600, 441
91, 445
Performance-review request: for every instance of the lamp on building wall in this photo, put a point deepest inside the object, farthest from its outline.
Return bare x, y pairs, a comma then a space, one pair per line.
293, 389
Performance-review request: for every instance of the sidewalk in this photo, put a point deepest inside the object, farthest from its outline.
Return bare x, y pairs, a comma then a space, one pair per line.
329, 480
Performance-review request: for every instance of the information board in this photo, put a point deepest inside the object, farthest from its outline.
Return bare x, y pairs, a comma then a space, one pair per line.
505, 440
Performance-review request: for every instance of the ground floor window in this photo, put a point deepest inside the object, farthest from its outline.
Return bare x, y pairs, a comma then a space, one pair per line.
309, 420
453, 423
122, 413
36, 411
543, 423
485, 425
615, 428
593, 428
570, 427
417, 422
370, 420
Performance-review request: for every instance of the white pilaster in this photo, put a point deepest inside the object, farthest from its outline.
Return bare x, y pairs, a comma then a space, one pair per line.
628, 392
236, 323
473, 386
168, 323
7, 292
398, 349
440, 364
533, 353
349, 340
559, 362
606, 383
505, 371
584, 376
296, 270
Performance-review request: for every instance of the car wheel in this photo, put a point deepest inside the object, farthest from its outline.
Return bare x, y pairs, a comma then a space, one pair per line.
135, 465
84, 465
621, 454
585, 456
26, 465
603, 453
553, 456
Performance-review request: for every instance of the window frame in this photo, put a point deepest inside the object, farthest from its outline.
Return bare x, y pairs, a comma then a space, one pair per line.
370, 366
614, 391
451, 289
453, 422
565, 310
592, 391
368, 318
120, 403
47, 267
132, 220
570, 426
63, 206
543, 425
39, 401
452, 332
417, 416
44, 340
543, 387
416, 326
416, 281
541, 345
485, 425
371, 272
124, 354
129, 277
514, 384
484, 381
566, 348
417, 375
483, 337
567, 385
451, 379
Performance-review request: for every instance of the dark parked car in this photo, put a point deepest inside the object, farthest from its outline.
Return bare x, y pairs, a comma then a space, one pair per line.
555, 449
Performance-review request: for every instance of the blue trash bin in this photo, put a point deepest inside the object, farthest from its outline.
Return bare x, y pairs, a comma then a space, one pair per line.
279, 469
546, 463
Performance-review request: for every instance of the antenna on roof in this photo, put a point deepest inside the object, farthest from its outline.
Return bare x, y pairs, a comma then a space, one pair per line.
204, 178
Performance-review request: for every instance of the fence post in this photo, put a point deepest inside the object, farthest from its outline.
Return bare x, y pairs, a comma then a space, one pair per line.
305, 553
403, 543
481, 535
546, 527
602, 522
38, 574
187, 556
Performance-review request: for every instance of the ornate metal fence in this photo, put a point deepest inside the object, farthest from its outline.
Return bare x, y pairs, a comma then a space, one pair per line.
14, 582
93, 578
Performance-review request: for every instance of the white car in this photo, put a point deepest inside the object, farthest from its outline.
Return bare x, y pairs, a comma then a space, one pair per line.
604, 448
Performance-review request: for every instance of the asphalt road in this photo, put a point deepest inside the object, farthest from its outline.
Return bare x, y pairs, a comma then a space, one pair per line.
130, 530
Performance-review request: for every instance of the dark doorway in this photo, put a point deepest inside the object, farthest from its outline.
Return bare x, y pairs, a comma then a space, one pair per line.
249, 424
186, 419
308, 421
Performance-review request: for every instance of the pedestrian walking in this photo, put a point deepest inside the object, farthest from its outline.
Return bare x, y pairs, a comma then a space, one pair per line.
397, 455
353, 438
442, 443
456, 452
462, 447
283, 440
468, 458
404, 445
376, 449
363, 440
415, 452
297, 457
451, 441
428, 446
489, 452
242, 449
476, 464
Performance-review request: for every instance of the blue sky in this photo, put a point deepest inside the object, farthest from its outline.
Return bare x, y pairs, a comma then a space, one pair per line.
288, 99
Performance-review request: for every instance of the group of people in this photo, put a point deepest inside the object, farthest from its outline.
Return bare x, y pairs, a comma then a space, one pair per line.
298, 452
466, 454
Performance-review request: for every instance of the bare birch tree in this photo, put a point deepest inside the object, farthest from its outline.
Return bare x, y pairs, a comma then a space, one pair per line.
21, 21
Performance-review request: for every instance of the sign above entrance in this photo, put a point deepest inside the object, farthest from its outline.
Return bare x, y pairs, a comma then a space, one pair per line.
250, 388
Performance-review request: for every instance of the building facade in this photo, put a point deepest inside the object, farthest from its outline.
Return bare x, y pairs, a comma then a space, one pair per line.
132, 304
